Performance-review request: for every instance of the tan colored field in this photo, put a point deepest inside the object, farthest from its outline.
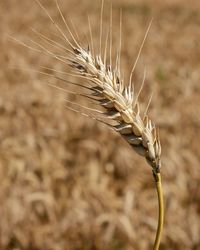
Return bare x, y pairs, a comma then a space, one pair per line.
68, 182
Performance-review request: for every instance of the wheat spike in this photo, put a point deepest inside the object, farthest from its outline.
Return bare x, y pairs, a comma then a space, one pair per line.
108, 90
121, 104
118, 99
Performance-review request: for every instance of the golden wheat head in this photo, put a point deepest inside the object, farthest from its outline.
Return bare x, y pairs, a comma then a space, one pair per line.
107, 88
119, 100
121, 105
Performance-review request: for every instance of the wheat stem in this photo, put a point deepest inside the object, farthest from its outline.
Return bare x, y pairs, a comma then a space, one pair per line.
118, 99
157, 177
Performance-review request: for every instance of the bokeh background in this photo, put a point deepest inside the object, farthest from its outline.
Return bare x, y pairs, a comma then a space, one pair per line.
69, 182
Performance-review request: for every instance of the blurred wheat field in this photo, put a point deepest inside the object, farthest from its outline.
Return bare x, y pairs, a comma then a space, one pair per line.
67, 182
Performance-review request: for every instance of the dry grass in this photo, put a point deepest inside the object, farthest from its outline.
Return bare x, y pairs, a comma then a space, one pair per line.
61, 188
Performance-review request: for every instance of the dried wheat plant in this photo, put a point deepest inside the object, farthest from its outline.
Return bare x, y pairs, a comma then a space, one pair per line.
119, 104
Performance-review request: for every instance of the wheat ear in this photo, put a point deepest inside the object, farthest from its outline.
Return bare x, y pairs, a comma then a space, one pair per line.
121, 105
120, 102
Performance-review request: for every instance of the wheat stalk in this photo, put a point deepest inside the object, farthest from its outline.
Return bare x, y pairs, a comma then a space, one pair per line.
107, 88
121, 104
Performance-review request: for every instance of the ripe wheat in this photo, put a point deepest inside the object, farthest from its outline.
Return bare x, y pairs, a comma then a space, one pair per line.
118, 100
121, 104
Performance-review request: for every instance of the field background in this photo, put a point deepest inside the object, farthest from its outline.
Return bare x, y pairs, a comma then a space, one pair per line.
68, 182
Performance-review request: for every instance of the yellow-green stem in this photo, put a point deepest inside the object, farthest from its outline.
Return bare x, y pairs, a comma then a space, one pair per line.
157, 177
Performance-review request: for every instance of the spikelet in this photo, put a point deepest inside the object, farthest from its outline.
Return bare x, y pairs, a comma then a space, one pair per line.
121, 105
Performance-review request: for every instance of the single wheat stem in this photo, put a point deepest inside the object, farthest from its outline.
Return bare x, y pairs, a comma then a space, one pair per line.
122, 106
157, 178
118, 99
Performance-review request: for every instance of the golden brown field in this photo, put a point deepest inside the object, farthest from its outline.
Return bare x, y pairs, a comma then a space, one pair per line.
68, 182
